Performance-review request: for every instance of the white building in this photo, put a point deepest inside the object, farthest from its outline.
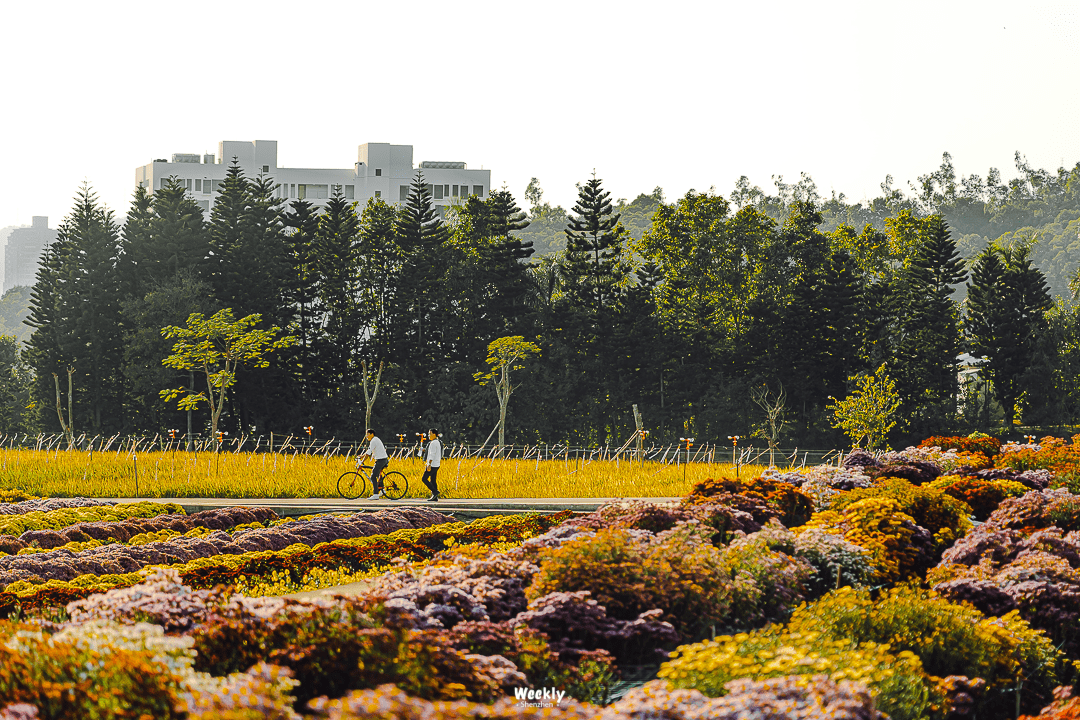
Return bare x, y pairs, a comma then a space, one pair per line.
381, 170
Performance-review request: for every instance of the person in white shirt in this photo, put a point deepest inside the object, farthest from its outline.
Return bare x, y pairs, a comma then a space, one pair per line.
377, 452
431, 469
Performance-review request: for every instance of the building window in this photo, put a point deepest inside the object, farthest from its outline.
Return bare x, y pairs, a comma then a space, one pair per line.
404, 192
313, 192
188, 184
164, 182
446, 190
378, 194
198, 185
214, 185
350, 192
292, 190
438, 192
478, 190
455, 191
204, 204
378, 172
266, 168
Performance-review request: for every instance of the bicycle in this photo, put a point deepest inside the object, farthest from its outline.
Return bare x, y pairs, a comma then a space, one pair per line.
351, 485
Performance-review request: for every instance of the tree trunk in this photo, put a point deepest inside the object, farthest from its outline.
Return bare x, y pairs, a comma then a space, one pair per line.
216, 406
502, 423
369, 398
64, 426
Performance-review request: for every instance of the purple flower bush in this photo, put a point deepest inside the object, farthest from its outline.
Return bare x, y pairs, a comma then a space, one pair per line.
467, 589
1019, 560
833, 561
165, 601
125, 530
782, 698
785, 698
578, 625
47, 504
727, 515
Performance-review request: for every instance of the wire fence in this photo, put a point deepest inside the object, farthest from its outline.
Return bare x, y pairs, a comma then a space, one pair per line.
671, 453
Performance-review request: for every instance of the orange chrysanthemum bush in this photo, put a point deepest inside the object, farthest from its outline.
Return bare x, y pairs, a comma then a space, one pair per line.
1066, 706
1060, 458
982, 496
944, 516
899, 547
787, 502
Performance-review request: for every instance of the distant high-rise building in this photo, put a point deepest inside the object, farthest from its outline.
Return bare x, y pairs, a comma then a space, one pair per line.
4, 232
23, 251
382, 170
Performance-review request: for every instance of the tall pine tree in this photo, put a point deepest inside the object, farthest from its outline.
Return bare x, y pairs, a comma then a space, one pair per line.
76, 313
421, 235
302, 223
593, 261
336, 264
928, 340
1006, 307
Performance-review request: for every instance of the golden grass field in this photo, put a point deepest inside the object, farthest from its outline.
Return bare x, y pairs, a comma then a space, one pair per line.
75, 473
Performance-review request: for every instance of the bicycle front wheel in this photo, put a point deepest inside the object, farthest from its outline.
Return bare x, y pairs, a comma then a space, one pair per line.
351, 485
394, 485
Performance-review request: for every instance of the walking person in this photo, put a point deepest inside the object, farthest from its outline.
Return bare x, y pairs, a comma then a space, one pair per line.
431, 468
377, 452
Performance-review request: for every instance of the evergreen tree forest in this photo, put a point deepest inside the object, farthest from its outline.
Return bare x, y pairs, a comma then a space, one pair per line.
687, 308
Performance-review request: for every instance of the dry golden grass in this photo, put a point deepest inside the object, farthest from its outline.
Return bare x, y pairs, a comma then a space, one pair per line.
62, 473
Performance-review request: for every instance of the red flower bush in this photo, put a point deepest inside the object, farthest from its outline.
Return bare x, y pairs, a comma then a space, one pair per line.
988, 446
783, 500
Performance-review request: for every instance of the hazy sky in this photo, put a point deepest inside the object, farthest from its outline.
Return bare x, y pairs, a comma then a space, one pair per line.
676, 94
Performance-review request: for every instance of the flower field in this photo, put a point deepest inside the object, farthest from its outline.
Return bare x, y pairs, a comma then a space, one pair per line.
77, 473
938, 582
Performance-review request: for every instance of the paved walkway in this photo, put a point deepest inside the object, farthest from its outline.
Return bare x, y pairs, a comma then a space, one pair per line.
463, 508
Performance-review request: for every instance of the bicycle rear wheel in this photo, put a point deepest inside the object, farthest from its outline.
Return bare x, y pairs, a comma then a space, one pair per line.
394, 485
351, 485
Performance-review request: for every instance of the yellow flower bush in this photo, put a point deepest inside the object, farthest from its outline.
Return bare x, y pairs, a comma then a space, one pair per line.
877, 524
943, 515
948, 638
896, 679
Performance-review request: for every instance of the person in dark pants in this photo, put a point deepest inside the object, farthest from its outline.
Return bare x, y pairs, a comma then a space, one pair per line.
431, 469
377, 452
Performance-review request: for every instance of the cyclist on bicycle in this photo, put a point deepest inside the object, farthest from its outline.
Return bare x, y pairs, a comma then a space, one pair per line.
377, 452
